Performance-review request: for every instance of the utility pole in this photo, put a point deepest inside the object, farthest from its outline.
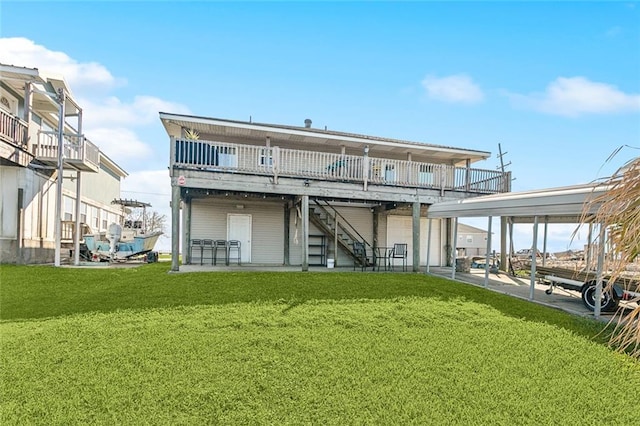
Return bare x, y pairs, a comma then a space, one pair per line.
503, 219
500, 156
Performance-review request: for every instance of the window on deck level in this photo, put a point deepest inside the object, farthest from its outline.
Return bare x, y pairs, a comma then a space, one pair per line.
227, 156
266, 157
425, 175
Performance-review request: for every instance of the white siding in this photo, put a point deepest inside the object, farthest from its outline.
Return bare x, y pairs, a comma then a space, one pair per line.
435, 256
9, 202
209, 220
39, 203
400, 230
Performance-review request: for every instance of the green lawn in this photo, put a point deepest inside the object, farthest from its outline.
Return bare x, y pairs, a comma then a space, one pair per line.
144, 346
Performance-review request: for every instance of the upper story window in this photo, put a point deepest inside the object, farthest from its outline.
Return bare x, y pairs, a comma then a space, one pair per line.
68, 208
266, 157
227, 156
83, 213
8, 102
95, 218
425, 174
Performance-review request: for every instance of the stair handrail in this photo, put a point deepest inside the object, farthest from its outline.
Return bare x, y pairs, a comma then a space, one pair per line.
345, 243
344, 220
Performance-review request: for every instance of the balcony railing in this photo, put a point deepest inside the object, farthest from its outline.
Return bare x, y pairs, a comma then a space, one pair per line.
77, 151
13, 130
276, 162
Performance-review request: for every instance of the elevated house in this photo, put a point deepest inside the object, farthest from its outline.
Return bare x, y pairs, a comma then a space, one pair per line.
54, 183
306, 196
472, 241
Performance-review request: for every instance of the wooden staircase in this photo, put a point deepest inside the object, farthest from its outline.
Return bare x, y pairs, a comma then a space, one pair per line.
331, 223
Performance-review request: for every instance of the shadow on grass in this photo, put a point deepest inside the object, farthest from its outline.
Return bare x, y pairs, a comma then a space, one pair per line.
35, 292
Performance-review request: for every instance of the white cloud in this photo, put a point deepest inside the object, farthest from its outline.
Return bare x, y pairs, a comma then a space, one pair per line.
575, 96
458, 88
120, 144
112, 111
23, 52
107, 121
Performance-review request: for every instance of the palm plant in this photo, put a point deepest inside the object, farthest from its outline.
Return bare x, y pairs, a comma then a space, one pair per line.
192, 134
618, 210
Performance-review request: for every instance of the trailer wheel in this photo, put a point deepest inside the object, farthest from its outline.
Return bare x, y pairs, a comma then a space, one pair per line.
608, 302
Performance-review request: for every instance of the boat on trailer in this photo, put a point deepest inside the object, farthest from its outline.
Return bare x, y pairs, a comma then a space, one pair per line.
126, 241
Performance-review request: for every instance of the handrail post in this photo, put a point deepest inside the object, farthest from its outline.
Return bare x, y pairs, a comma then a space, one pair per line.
365, 167
172, 154
467, 183
275, 155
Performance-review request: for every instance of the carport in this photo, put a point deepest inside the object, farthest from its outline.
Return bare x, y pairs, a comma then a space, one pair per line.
553, 205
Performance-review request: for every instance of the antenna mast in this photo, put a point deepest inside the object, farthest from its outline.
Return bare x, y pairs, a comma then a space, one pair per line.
500, 156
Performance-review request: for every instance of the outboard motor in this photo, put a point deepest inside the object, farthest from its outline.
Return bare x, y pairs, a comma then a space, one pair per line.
114, 233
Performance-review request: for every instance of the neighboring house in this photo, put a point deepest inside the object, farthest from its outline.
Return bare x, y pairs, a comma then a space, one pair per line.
472, 241
31, 231
301, 195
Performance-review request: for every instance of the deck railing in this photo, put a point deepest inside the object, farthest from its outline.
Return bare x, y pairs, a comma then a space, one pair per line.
13, 130
75, 147
276, 161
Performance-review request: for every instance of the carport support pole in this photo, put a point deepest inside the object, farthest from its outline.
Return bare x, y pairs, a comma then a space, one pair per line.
416, 236
596, 307
305, 232
486, 263
534, 256
589, 253
175, 226
503, 244
428, 242
544, 241
454, 248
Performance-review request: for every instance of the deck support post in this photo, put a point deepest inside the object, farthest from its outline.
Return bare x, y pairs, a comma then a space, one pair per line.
503, 244
186, 219
175, 227
58, 224
416, 235
305, 232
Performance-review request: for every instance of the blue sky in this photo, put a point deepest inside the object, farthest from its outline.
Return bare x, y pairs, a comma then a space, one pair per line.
557, 84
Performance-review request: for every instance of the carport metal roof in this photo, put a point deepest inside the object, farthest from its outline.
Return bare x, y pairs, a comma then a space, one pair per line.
553, 205
556, 205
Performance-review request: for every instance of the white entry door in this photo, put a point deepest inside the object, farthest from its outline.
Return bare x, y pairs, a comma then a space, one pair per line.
239, 228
